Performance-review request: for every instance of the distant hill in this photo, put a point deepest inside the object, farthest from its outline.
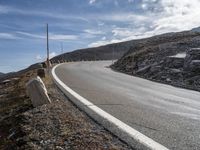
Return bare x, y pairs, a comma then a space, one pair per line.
1, 74
107, 52
17, 74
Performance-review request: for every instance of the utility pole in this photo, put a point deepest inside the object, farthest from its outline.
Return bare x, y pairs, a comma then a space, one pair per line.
61, 46
48, 63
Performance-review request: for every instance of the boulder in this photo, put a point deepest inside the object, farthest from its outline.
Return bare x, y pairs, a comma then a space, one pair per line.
192, 60
37, 92
143, 70
174, 62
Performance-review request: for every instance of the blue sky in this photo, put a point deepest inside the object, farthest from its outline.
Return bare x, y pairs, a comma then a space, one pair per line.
84, 23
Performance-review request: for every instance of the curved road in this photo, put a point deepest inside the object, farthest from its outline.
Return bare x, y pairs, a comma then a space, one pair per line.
168, 115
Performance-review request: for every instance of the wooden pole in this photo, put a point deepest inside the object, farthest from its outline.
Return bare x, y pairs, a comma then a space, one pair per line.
48, 64
61, 47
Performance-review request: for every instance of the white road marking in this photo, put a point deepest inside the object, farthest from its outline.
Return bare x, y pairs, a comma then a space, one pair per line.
136, 135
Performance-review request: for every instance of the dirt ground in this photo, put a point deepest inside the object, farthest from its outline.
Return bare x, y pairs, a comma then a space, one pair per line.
59, 125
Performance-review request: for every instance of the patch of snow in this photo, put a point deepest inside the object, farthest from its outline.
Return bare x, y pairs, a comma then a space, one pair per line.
179, 55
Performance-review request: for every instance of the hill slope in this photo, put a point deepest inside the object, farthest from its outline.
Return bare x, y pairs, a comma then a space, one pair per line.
17, 74
107, 52
1, 74
162, 58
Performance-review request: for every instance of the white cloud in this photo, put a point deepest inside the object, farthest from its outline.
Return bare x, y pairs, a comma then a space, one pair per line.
179, 15
31, 35
103, 42
62, 37
158, 17
122, 32
144, 6
101, 23
43, 57
52, 54
92, 1
124, 17
8, 36
38, 57
103, 38
94, 32
52, 36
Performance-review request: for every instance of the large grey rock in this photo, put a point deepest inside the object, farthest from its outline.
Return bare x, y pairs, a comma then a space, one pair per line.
174, 62
192, 60
37, 92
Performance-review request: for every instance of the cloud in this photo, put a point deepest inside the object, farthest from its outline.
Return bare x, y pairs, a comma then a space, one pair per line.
144, 6
94, 32
43, 57
92, 1
62, 37
123, 17
31, 35
101, 23
8, 36
38, 57
157, 17
103, 42
52, 36
13, 10
52, 54
103, 38
179, 15
4, 9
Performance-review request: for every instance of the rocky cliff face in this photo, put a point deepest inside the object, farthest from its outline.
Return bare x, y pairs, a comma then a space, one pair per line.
169, 58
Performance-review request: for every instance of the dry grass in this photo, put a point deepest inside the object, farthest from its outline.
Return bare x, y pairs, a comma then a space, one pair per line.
14, 102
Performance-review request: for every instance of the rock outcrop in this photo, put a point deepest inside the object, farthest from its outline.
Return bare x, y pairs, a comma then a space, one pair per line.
172, 58
192, 60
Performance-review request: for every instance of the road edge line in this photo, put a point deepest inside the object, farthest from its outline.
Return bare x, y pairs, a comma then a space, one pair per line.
126, 133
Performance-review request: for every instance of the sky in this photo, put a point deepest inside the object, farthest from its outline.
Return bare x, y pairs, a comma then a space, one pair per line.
79, 24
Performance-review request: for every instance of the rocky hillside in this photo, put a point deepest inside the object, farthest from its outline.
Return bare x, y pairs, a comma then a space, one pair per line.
1, 74
107, 52
196, 29
167, 58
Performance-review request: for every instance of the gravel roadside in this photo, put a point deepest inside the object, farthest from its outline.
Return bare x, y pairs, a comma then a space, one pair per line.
59, 125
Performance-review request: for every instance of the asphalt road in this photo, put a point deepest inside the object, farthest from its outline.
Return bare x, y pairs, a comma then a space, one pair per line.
168, 115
